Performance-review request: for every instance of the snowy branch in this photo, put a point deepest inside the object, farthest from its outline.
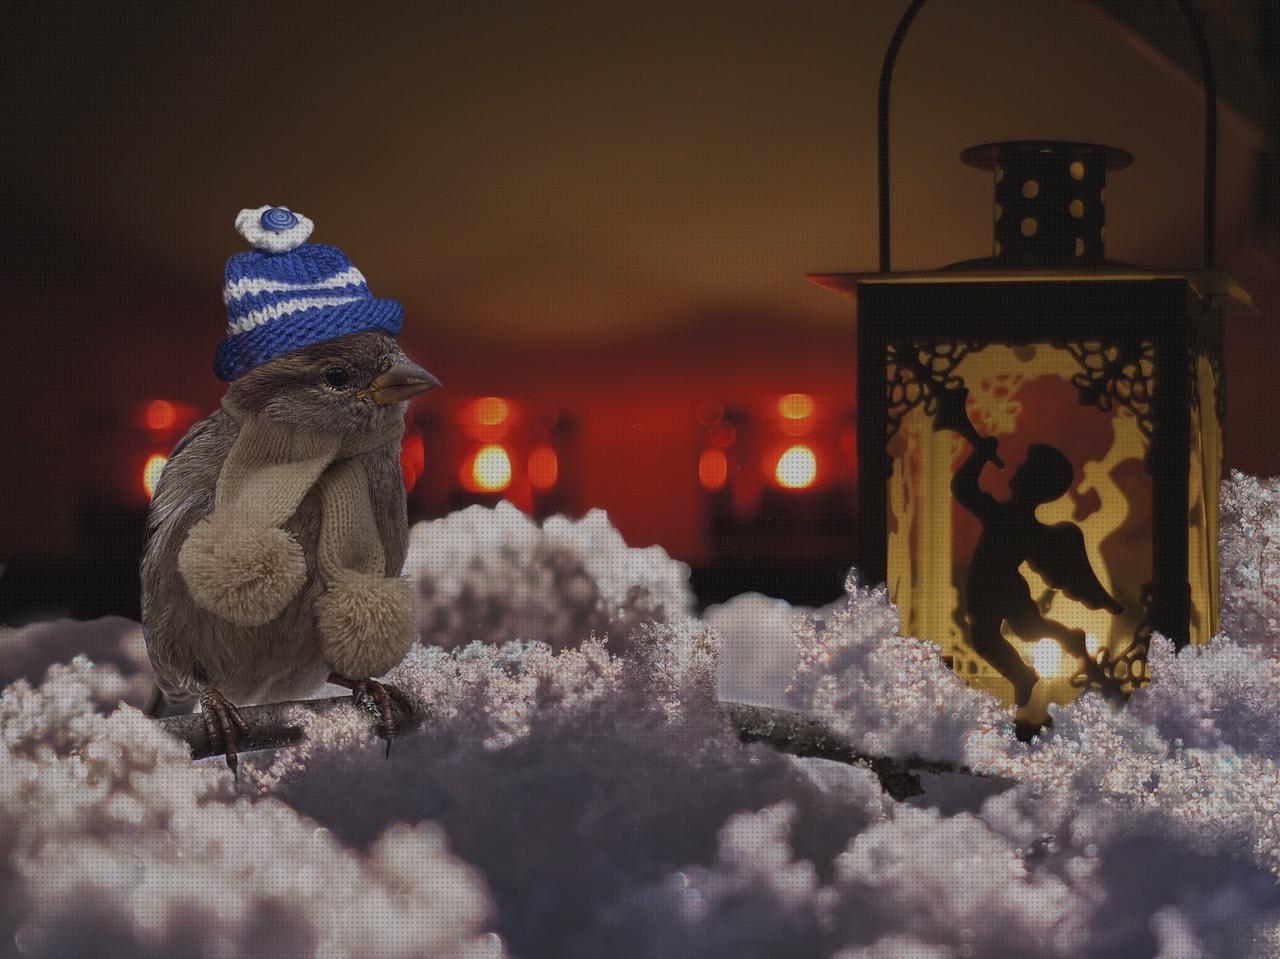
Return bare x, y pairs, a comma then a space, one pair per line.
800, 735
273, 725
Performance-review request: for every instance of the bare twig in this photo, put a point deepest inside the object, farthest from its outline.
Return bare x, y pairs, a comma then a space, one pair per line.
281, 724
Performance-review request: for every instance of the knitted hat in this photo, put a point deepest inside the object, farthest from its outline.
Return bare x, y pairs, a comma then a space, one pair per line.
288, 294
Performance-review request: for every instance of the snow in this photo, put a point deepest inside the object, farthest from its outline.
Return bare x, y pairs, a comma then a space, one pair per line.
578, 792
493, 574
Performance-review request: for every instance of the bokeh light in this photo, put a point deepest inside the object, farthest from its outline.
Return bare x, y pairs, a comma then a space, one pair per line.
544, 468
412, 458
151, 471
713, 469
795, 406
796, 468
491, 469
490, 410
710, 412
160, 415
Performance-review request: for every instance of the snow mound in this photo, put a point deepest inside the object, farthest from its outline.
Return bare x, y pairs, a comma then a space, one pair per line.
115, 646
115, 843
579, 792
494, 575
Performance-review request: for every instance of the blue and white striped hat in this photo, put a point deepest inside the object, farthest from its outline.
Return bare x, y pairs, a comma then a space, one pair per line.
287, 294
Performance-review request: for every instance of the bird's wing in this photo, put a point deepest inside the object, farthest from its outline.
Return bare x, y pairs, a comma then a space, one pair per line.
1059, 556
162, 496
183, 495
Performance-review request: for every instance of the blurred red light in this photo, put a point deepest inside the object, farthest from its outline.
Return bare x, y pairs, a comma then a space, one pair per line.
713, 469
722, 434
544, 468
710, 413
795, 406
412, 458
490, 410
160, 415
151, 471
795, 412
546, 417
488, 419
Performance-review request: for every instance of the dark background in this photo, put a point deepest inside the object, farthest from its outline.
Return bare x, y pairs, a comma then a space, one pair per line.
601, 212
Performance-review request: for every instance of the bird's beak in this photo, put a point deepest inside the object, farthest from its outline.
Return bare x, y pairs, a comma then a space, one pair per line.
403, 381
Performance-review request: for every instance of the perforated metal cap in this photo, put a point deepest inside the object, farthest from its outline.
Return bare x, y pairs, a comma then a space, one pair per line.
1050, 200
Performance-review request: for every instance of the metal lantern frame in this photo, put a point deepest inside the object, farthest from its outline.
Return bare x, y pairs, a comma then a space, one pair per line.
1160, 331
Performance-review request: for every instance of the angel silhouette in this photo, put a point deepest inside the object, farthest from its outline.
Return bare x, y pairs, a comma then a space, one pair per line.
996, 591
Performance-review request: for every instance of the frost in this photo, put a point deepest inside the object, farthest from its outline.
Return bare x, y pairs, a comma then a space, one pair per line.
890, 695
578, 791
494, 575
1249, 547
116, 843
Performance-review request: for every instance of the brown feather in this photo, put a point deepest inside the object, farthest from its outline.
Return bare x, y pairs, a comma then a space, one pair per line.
280, 659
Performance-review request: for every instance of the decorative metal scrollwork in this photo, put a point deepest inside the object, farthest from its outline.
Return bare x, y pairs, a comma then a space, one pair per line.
1115, 675
1118, 675
1116, 374
924, 373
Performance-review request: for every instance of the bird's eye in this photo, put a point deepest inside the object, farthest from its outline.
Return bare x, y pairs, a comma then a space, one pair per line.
337, 377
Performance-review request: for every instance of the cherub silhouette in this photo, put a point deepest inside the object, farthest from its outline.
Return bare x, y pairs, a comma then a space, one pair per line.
996, 592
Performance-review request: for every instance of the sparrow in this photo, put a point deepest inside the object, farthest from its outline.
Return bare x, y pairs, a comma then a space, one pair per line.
353, 387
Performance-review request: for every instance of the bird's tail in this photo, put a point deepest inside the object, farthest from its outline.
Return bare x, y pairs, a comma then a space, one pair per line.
157, 706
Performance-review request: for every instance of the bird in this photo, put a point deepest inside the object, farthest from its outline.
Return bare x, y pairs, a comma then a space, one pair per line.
278, 526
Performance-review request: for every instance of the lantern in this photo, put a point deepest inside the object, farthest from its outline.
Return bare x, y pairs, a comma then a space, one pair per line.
1040, 432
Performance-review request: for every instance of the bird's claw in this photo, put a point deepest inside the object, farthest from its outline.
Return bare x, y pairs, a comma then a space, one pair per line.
223, 723
377, 697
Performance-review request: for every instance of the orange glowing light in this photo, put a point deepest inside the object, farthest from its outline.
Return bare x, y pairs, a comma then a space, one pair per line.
412, 458
544, 468
795, 406
490, 410
490, 470
713, 469
796, 468
160, 415
151, 471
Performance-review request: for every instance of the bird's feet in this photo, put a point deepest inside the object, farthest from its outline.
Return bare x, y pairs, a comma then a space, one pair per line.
377, 697
223, 722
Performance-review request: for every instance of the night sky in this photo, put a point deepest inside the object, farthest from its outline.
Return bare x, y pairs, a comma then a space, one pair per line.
569, 199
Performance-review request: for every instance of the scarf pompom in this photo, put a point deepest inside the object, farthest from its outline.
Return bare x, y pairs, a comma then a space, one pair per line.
366, 622
243, 573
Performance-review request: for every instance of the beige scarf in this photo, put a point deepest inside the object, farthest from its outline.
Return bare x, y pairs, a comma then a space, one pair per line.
241, 566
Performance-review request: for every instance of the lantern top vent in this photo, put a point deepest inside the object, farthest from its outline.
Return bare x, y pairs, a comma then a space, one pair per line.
988, 156
1050, 201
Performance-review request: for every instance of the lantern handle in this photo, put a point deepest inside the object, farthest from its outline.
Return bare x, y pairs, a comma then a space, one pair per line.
1210, 128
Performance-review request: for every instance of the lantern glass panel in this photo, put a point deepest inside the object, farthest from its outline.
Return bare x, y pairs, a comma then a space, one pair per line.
1023, 550
1205, 476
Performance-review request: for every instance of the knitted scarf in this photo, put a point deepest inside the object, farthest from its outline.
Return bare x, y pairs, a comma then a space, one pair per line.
241, 566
